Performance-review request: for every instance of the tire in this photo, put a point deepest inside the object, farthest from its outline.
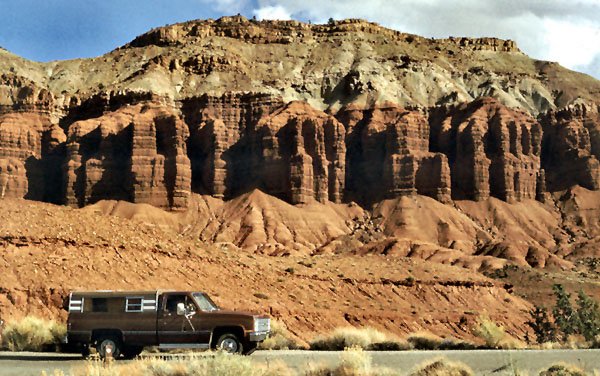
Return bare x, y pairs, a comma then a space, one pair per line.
103, 343
131, 352
230, 344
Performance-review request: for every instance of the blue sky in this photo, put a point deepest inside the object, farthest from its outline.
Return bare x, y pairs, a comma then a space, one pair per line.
556, 30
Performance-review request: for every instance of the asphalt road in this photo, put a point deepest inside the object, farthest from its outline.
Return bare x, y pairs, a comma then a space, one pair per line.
483, 362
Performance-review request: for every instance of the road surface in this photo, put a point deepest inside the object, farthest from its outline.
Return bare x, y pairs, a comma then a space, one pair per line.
483, 362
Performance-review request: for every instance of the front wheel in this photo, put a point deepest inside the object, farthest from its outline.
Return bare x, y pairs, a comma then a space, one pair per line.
230, 344
109, 343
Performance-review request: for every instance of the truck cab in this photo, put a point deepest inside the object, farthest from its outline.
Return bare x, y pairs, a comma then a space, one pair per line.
127, 321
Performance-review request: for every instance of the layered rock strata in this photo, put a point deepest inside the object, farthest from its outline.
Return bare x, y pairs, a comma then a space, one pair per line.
388, 148
134, 154
303, 154
21, 142
155, 152
571, 147
493, 150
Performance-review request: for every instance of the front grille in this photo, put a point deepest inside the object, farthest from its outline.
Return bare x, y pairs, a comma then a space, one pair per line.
262, 325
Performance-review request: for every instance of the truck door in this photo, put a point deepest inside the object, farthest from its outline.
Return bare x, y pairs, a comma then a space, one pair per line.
178, 331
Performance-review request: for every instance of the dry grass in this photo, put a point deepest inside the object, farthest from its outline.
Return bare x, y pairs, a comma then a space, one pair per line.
494, 335
490, 332
562, 369
210, 364
279, 339
443, 367
353, 362
32, 334
363, 338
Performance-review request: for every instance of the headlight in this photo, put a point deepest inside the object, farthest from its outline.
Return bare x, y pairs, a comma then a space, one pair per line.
262, 325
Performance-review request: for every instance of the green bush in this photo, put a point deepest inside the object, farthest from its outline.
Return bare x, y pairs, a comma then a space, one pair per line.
567, 321
542, 326
588, 317
565, 316
32, 334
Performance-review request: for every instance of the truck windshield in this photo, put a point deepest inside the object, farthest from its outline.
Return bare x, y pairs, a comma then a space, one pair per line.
204, 302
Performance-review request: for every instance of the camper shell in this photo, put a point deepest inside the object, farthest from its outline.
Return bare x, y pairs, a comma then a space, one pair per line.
124, 322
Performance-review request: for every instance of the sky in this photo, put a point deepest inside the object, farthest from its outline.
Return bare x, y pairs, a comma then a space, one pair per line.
555, 30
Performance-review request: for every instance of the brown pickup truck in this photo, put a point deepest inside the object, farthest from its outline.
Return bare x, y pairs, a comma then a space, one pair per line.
124, 322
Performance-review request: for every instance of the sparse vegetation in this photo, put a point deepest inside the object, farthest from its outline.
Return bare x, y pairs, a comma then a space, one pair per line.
353, 362
279, 339
494, 335
32, 334
425, 341
363, 338
443, 367
575, 326
212, 364
544, 329
562, 369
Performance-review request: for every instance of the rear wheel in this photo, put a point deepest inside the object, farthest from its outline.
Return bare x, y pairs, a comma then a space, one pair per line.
106, 344
230, 344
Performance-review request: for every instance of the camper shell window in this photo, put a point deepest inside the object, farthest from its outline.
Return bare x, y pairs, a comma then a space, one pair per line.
134, 304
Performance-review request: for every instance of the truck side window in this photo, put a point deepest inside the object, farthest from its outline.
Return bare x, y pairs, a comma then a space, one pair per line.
172, 301
99, 305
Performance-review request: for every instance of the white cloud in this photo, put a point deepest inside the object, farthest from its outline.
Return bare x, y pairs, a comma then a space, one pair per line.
571, 43
276, 12
593, 68
557, 30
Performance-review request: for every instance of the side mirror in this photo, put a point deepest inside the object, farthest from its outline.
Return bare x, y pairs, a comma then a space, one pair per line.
180, 309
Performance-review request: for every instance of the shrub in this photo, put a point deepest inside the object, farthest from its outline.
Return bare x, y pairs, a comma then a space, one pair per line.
364, 338
395, 345
565, 316
32, 334
562, 369
353, 362
456, 344
279, 339
578, 326
490, 332
588, 317
542, 327
443, 367
425, 341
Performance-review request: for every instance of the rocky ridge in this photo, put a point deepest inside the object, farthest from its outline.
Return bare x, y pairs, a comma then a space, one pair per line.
388, 170
341, 113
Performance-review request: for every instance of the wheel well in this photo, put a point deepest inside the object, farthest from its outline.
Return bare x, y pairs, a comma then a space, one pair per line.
103, 333
219, 331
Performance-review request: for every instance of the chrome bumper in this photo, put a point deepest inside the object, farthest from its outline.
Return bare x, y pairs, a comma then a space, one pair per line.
257, 336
